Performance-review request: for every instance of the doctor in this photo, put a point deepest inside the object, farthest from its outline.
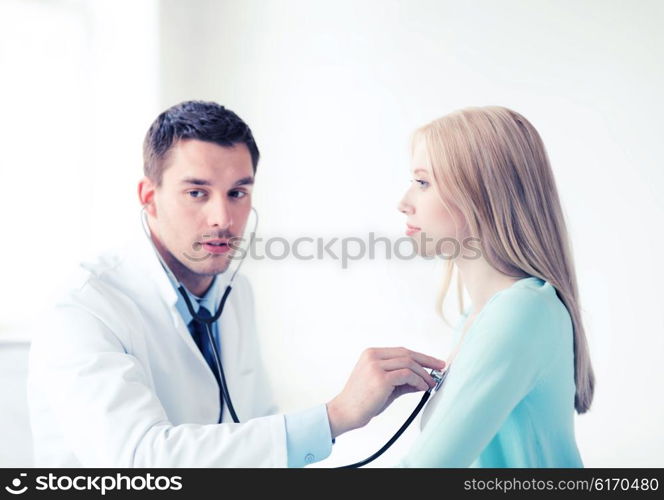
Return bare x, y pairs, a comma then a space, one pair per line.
120, 376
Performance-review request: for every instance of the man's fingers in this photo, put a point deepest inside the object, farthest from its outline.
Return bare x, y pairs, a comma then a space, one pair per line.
397, 352
406, 362
428, 361
406, 376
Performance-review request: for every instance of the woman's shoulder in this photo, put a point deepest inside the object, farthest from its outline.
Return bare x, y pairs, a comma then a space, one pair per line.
530, 304
535, 294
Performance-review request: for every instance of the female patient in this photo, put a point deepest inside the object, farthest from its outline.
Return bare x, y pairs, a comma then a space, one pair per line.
482, 179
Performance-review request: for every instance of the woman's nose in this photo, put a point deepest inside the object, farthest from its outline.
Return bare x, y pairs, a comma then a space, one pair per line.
404, 207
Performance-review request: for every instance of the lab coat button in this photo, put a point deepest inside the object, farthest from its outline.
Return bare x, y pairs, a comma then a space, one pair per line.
309, 458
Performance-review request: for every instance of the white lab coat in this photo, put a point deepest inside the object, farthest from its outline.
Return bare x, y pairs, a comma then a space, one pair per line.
116, 380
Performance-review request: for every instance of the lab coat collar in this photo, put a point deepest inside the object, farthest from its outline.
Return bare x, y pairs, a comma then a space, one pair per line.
210, 300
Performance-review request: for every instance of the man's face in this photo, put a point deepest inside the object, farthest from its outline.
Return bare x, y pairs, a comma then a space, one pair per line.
203, 201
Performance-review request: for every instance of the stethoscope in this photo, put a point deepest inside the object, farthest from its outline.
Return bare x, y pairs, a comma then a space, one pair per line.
205, 320
438, 376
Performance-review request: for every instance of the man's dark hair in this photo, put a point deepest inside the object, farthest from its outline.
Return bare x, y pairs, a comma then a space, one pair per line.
201, 120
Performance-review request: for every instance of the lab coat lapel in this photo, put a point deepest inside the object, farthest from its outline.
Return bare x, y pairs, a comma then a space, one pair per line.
160, 296
147, 262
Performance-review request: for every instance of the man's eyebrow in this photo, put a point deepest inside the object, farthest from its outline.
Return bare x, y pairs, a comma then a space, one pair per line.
245, 181
197, 182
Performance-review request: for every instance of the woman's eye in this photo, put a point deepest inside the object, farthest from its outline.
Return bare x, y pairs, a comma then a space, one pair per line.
423, 184
195, 192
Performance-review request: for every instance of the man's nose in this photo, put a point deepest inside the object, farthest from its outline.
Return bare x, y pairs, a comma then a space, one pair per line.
218, 213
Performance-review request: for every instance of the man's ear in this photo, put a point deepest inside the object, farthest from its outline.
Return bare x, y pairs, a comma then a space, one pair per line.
146, 192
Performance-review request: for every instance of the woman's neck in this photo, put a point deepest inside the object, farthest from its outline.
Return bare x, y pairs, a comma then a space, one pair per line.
482, 281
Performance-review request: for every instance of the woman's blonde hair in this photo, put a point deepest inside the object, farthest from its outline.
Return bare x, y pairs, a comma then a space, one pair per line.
491, 165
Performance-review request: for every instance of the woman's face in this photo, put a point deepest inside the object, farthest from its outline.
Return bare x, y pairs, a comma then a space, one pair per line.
432, 226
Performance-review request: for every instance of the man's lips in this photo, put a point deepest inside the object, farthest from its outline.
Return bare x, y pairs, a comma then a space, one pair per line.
216, 246
216, 241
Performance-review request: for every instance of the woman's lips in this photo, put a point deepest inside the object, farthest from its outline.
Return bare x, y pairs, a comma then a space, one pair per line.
411, 230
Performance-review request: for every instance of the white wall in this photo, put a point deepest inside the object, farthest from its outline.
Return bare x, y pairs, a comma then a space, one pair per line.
78, 89
333, 90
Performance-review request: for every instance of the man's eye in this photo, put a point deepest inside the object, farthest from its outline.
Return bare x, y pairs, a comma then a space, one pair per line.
195, 192
238, 194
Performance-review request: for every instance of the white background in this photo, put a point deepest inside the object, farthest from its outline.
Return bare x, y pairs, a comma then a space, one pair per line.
332, 91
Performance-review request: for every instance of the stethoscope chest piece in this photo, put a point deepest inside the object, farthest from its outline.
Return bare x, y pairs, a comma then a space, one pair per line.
439, 377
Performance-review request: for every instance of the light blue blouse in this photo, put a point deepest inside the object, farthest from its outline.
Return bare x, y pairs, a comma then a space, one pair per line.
508, 400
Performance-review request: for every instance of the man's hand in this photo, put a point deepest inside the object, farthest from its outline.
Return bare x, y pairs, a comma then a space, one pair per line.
379, 377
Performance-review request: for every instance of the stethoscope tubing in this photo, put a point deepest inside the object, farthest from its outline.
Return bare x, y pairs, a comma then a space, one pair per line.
440, 378
220, 370
204, 320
